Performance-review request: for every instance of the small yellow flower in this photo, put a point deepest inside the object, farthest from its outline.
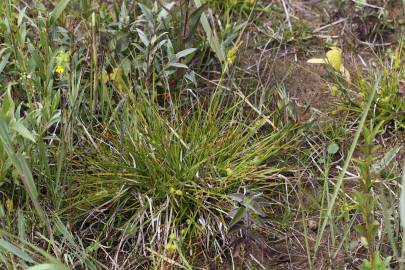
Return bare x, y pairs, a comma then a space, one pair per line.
60, 69
171, 247
231, 55
179, 192
334, 90
9, 205
229, 171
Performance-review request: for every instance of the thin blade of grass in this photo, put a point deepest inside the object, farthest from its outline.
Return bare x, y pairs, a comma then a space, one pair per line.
346, 164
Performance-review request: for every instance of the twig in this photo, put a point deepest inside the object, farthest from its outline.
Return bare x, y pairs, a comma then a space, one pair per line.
329, 25
287, 15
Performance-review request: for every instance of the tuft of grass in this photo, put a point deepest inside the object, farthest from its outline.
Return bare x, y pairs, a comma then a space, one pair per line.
157, 173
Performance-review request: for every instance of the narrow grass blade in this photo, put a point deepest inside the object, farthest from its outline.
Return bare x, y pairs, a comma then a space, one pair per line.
402, 214
7, 246
346, 164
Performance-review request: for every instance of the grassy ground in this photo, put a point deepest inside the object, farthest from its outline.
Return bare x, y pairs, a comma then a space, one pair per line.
219, 134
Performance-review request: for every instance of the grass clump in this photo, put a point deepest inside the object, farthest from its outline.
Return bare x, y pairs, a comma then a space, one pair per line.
154, 180
195, 135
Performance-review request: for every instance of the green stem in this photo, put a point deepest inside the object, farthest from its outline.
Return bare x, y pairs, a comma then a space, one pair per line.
346, 164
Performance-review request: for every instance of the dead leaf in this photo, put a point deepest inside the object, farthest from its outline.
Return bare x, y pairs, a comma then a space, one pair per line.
401, 88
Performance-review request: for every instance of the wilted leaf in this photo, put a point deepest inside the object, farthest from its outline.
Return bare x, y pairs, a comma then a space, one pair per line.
401, 88
316, 61
235, 245
334, 58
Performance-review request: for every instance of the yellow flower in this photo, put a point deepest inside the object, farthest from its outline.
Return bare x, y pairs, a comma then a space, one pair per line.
334, 58
60, 69
229, 171
9, 205
334, 90
171, 247
230, 57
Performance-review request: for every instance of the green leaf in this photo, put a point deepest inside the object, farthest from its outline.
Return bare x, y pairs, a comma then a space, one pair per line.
48, 266
194, 19
22, 130
333, 148
21, 225
185, 52
238, 216
388, 157
22, 168
178, 65
15, 250
7, 106
212, 38
58, 9
143, 37
4, 62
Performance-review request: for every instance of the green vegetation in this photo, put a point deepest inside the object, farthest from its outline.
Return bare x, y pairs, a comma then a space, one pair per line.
182, 135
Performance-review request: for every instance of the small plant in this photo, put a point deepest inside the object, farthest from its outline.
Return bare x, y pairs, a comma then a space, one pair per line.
366, 201
247, 216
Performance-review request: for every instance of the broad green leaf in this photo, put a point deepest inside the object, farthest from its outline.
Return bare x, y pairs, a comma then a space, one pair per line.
185, 52
7, 106
143, 37
7, 246
212, 39
58, 9
165, 11
333, 148
22, 168
4, 62
22, 130
194, 19
238, 216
